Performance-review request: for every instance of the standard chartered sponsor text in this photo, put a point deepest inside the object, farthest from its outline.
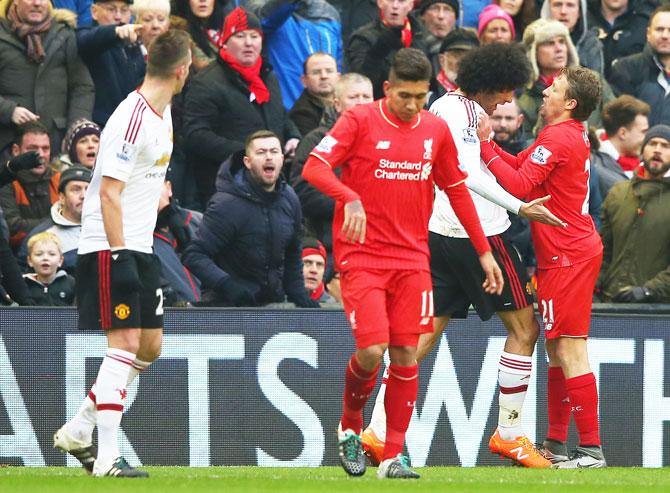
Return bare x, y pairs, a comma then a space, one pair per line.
412, 173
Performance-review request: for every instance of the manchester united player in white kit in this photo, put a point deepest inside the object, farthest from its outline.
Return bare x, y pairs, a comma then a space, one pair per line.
118, 276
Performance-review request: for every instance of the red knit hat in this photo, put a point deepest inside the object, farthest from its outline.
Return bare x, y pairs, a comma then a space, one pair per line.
312, 246
239, 20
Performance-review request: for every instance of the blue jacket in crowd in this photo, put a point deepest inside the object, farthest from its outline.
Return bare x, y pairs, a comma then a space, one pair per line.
294, 30
251, 238
117, 67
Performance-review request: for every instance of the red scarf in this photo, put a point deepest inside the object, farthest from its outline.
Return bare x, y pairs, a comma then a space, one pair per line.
30, 34
627, 163
316, 294
548, 80
405, 34
445, 82
251, 75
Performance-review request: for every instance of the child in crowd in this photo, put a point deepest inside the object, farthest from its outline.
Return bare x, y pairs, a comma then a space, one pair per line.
48, 285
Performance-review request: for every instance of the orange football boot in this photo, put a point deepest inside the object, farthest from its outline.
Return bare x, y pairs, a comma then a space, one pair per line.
373, 447
520, 450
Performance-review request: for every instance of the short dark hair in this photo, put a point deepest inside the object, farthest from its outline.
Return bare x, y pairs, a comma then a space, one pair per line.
584, 86
259, 134
497, 67
169, 50
410, 65
621, 112
31, 127
316, 53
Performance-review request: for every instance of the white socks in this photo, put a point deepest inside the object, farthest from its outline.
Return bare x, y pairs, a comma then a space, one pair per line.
111, 394
82, 424
513, 377
378, 418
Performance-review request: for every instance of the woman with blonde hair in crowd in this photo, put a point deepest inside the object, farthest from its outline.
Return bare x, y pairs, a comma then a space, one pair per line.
154, 16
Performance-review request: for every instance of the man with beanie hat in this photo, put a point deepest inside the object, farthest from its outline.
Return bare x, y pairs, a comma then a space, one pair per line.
438, 18
454, 47
314, 260
495, 26
232, 98
634, 229
372, 47
65, 217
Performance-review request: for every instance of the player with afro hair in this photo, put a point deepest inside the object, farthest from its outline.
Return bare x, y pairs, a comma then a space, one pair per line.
494, 68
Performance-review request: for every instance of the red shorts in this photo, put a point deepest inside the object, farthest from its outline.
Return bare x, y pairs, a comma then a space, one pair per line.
565, 297
387, 306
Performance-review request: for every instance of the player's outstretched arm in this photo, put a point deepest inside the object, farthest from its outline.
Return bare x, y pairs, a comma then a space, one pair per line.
494, 282
535, 211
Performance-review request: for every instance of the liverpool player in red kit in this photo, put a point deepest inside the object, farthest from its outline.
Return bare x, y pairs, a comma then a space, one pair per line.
568, 259
392, 153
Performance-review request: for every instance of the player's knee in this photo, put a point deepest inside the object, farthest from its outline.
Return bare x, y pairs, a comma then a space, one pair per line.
371, 356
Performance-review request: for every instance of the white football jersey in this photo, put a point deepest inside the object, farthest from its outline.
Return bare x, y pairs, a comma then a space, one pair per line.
135, 147
461, 114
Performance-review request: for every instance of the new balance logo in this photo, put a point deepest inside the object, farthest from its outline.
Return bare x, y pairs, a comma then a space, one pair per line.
519, 453
425, 321
383, 144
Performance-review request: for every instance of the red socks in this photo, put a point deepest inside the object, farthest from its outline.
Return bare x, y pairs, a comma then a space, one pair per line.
358, 385
578, 395
584, 401
558, 405
399, 401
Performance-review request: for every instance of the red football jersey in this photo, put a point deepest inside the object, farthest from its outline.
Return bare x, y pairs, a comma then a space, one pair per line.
391, 165
557, 164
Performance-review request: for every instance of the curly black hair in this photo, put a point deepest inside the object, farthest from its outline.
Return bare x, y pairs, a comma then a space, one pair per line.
493, 68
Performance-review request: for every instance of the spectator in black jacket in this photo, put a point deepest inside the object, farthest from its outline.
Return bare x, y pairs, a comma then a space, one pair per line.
372, 47
111, 49
319, 77
317, 208
621, 28
247, 250
12, 288
175, 227
230, 99
645, 75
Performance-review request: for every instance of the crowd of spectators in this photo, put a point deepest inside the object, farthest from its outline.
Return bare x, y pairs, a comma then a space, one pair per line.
237, 224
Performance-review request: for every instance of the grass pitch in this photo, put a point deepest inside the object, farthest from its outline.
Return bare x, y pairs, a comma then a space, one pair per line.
333, 479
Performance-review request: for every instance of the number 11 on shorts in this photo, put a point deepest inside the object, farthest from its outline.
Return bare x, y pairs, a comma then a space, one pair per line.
547, 314
426, 307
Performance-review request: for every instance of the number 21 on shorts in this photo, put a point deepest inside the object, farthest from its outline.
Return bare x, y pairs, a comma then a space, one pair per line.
547, 314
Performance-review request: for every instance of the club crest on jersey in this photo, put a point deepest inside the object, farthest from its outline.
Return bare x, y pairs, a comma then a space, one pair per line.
127, 152
470, 135
428, 149
540, 155
326, 145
